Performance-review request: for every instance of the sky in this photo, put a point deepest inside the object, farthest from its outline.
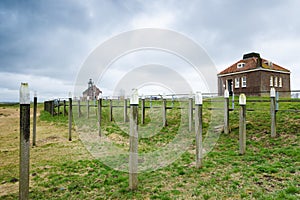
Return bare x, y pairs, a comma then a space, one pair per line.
45, 43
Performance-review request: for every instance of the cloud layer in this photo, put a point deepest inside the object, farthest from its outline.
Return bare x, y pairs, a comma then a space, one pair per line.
46, 42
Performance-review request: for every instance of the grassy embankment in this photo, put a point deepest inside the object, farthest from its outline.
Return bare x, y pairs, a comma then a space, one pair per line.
61, 169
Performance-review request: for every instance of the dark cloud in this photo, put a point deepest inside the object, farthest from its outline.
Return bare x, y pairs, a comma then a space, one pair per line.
52, 38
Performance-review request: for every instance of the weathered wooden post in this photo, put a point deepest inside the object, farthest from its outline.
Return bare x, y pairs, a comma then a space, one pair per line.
226, 111
125, 110
190, 113
79, 108
242, 125
34, 119
70, 117
58, 107
64, 107
24, 141
198, 129
110, 110
133, 141
232, 101
99, 113
143, 110
88, 106
164, 111
52, 108
273, 112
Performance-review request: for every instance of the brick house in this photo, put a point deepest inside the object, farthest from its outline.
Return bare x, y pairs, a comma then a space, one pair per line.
254, 75
92, 92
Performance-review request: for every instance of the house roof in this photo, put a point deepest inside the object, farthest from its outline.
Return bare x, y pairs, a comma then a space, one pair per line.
253, 63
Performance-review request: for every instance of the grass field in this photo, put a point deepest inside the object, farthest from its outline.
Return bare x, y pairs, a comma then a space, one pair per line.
61, 169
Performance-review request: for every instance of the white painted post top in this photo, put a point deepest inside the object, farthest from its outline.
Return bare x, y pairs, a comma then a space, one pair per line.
143, 96
198, 98
242, 99
24, 94
100, 96
272, 92
226, 94
134, 99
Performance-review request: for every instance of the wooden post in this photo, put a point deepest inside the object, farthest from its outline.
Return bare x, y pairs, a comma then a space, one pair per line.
198, 129
133, 141
34, 120
52, 108
70, 119
190, 114
79, 108
24, 141
143, 111
99, 114
88, 107
273, 112
58, 106
110, 110
226, 111
232, 101
125, 110
164, 112
64, 107
242, 125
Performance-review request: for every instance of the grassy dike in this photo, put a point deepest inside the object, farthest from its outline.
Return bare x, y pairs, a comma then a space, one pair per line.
61, 169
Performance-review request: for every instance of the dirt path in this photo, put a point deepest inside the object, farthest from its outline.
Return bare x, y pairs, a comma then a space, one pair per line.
52, 146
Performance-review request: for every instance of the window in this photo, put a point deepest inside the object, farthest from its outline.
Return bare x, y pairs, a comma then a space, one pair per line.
271, 81
275, 81
240, 65
280, 82
244, 81
237, 82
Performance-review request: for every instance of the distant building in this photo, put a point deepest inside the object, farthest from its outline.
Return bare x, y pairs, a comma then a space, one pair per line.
92, 92
254, 75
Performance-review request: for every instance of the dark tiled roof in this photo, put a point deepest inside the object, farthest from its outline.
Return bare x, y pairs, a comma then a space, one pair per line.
252, 63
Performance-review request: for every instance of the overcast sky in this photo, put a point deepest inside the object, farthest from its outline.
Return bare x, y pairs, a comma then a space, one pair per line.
45, 42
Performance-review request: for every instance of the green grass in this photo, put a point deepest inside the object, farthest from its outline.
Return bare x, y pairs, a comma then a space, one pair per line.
269, 169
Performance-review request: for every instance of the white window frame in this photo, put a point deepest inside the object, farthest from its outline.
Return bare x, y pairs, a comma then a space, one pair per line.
244, 81
237, 82
280, 81
275, 81
271, 81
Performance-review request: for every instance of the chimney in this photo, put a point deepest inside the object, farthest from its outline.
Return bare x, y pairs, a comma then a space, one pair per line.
253, 55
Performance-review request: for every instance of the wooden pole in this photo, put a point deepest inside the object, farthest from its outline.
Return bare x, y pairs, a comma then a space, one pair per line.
198, 129
99, 114
242, 124
88, 108
226, 111
273, 112
164, 112
133, 142
70, 119
79, 108
125, 111
24, 141
58, 106
190, 114
64, 107
143, 111
34, 120
110, 110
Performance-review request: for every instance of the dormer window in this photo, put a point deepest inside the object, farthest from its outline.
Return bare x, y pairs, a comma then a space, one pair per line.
240, 65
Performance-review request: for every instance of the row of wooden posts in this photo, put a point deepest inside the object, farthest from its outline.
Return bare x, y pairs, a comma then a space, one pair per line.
133, 118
